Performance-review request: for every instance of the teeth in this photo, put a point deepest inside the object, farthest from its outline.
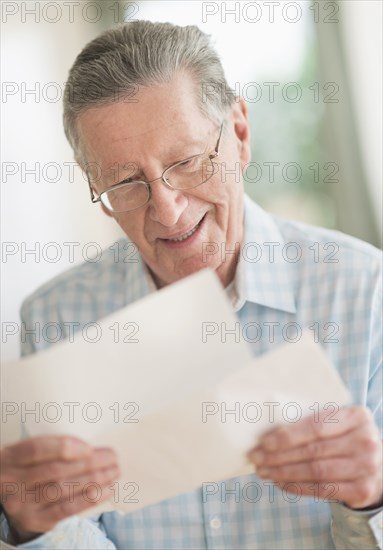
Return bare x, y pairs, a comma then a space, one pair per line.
186, 235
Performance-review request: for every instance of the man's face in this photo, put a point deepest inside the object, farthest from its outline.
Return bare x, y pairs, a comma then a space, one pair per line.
164, 126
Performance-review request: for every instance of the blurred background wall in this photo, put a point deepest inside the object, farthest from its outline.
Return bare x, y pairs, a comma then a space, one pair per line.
311, 75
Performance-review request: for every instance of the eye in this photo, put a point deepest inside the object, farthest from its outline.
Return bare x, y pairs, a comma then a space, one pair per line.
186, 162
189, 165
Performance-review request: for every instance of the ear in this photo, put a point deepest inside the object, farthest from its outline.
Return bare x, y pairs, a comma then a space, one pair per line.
242, 131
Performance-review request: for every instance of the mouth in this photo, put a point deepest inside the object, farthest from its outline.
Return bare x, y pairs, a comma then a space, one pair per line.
185, 238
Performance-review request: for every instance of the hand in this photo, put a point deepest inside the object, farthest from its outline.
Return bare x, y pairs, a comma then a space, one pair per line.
43, 480
313, 454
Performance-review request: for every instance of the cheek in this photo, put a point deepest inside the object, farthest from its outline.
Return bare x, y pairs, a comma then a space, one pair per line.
226, 195
133, 226
215, 192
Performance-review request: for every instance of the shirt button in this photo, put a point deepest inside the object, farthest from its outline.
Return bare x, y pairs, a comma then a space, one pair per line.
215, 523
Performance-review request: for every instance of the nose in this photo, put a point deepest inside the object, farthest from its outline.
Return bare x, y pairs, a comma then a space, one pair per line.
166, 204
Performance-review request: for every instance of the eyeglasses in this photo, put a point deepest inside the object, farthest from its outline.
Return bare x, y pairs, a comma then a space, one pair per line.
185, 174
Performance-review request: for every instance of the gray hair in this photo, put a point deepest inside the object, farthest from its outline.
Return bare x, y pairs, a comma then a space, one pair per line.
142, 53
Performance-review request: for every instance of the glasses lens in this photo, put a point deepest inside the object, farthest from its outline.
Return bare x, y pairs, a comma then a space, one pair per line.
190, 172
125, 198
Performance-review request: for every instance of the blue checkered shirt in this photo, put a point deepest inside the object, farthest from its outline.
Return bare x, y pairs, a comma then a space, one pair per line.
289, 276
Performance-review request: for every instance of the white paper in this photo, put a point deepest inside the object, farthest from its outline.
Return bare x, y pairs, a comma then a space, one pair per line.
182, 387
175, 451
169, 361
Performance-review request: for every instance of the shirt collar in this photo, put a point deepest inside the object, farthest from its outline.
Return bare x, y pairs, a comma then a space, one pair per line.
258, 279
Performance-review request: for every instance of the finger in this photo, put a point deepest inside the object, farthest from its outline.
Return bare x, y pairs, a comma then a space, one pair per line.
340, 469
355, 494
41, 495
44, 449
57, 470
88, 487
47, 517
365, 438
66, 509
329, 491
315, 427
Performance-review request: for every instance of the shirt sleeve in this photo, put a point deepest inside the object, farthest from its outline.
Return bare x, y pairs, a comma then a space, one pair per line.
353, 530
356, 529
73, 533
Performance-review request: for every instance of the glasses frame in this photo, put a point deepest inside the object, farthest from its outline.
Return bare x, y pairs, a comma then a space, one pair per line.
95, 198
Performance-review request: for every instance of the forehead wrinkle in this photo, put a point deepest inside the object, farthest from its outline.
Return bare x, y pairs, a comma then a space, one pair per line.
131, 163
175, 150
102, 116
145, 132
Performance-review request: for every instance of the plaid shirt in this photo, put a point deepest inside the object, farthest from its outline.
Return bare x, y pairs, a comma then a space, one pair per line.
290, 276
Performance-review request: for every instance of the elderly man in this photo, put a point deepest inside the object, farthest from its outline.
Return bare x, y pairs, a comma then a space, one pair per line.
167, 159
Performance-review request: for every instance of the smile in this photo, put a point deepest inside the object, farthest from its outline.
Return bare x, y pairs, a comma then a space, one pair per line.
185, 238
186, 235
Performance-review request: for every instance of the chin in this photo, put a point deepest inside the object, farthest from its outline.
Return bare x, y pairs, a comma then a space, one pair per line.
163, 279
199, 264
